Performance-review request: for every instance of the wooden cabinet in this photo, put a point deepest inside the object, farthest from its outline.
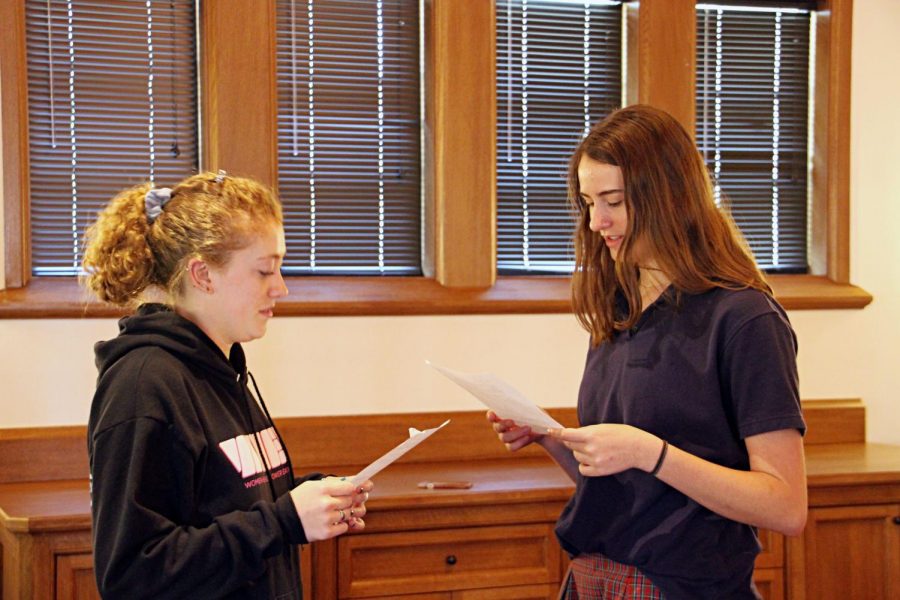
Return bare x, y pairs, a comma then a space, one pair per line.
519, 592
851, 545
770, 583
47, 565
853, 552
75, 577
768, 574
494, 541
517, 562
390, 564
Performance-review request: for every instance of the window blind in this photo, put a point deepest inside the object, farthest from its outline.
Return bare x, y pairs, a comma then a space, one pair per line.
112, 102
559, 70
752, 87
348, 136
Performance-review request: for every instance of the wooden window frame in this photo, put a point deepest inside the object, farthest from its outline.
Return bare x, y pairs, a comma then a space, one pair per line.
238, 115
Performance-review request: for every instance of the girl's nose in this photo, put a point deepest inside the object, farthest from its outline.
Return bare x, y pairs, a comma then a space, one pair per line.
280, 290
599, 219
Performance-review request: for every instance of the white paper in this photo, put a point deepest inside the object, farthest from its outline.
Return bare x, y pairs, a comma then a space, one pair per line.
416, 437
502, 398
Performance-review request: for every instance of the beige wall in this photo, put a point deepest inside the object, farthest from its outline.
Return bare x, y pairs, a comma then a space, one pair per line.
333, 366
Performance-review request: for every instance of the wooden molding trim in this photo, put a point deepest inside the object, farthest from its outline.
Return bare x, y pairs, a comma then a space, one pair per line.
460, 132
666, 33
239, 135
323, 296
366, 296
14, 113
830, 244
315, 446
805, 292
239, 96
838, 140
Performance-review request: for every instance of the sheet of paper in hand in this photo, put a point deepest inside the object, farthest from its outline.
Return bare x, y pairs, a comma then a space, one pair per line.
416, 437
502, 398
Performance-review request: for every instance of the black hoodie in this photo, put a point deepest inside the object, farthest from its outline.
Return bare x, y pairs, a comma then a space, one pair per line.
189, 478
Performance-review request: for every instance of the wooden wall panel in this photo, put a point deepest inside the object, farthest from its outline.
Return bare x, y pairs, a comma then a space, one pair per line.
43, 454
320, 443
835, 421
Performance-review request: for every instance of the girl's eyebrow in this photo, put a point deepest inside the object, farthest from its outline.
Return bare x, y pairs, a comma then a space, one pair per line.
603, 193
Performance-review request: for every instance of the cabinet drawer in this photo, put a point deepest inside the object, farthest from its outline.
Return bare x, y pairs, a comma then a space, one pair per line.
772, 553
770, 583
75, 577
446, 559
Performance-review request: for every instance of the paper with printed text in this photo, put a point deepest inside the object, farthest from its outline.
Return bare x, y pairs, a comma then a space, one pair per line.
502, 398
416, 437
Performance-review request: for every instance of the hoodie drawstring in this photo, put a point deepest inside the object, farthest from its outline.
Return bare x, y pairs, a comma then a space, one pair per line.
262, 403
248, 413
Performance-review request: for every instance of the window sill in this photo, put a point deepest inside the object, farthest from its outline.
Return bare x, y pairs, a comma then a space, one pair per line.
812, 292
324, 296
363, 296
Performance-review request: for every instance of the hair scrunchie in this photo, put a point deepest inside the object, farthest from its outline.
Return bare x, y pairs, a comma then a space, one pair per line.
154, 202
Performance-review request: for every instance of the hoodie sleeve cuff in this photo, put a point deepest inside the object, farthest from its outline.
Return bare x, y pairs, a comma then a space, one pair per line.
290, 520
315, 476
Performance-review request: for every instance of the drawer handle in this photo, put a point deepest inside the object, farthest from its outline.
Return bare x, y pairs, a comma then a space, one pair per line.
896, 520
450, 560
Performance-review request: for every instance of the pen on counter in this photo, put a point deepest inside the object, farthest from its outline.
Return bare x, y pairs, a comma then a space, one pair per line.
445, 485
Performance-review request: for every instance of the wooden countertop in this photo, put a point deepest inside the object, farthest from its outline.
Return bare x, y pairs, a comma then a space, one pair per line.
65, 505
45, 506
852, 464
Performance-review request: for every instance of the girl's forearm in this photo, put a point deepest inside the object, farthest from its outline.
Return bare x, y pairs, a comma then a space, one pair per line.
764, 499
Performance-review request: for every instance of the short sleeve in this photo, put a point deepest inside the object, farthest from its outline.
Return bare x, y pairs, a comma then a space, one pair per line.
759, 374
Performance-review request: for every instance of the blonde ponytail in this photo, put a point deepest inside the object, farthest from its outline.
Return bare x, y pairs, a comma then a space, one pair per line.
118, 261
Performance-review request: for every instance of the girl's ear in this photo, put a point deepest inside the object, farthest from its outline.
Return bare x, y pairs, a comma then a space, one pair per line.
198, 275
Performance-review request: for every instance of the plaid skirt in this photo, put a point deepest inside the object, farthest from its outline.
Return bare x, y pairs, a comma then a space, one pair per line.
595, 577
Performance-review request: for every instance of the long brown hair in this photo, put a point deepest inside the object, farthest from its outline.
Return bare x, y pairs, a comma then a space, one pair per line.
670, 208
209, 216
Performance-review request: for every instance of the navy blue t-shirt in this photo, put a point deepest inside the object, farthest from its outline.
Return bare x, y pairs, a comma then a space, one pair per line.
704, 372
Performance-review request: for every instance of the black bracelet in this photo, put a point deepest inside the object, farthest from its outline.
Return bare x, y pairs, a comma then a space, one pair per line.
662, 457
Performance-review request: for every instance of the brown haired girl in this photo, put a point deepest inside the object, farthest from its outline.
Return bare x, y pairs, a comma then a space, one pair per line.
193, 493
690, 418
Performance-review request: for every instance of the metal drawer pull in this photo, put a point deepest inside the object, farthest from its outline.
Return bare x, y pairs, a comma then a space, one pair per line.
451, 560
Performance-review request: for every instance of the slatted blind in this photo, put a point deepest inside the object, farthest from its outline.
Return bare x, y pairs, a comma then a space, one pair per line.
753, 67
112, 102
559, 70
349, 136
